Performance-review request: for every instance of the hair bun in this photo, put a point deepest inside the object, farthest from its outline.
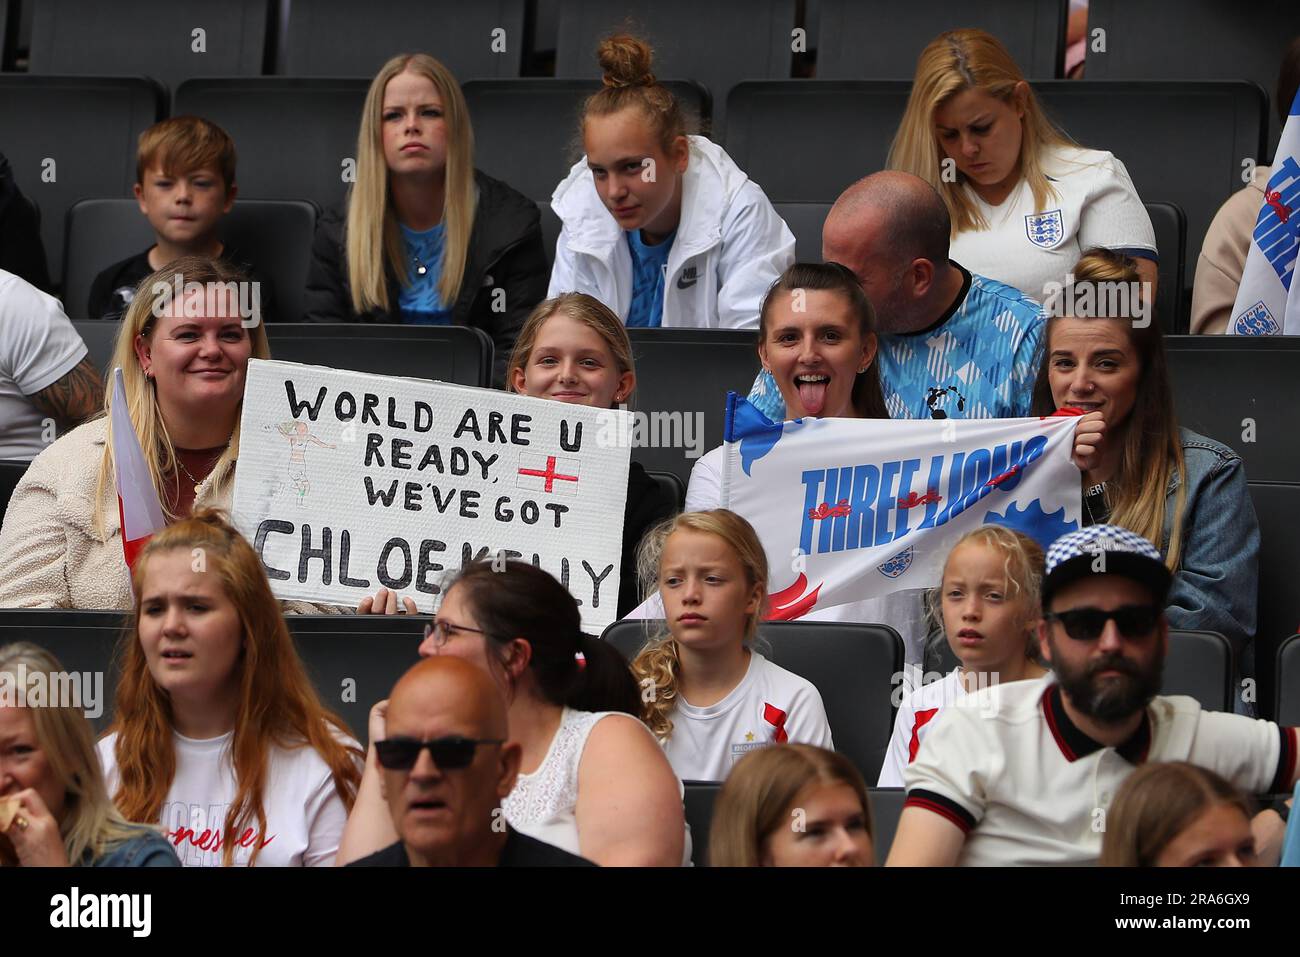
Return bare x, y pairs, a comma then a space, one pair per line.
625, 61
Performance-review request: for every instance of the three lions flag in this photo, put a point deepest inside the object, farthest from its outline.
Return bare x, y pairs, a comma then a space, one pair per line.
1268, 303
849, 509
137, 499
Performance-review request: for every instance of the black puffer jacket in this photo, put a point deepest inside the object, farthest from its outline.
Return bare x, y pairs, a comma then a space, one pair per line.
505, 252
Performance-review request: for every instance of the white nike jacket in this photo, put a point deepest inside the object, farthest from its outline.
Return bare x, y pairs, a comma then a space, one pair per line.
730, 245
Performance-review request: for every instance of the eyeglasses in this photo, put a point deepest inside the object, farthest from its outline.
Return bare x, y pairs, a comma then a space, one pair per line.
449, 754
441, 631
1087, 624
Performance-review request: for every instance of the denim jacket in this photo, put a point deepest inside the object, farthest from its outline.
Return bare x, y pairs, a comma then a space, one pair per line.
1216, 585
149, 849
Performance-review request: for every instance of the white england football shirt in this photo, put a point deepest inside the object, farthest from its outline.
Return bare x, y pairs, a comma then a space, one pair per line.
1010, 769
912, 723
1095, 205
769, 705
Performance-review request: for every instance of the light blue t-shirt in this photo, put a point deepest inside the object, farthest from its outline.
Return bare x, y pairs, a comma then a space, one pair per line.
978, 361
420, 303
648, 263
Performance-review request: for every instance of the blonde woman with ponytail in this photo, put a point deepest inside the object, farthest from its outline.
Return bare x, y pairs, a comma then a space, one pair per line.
715, 698
1182, 491
427, 239
660, 225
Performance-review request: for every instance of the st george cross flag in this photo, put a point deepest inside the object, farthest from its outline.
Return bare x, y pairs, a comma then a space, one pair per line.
137, 499
849, 509
1268, 304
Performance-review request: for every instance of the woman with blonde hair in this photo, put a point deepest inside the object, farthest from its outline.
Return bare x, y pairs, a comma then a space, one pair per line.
659, 224
183, 364
792, 805
1175, 814
574, 349
715, 697
219, 735
1024, 199
1182, 491
427, 239
54, 809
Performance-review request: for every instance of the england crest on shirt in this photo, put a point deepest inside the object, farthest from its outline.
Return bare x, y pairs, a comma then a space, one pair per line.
898, 564
1045, 229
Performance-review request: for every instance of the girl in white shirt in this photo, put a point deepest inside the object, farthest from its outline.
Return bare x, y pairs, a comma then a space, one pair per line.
1025, 200
661, 226
989, 606
219, 735
707, 696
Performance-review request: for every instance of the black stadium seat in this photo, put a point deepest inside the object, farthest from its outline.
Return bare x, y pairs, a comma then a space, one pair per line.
670, 482
294, 136
683, 376
854, 666
11, 470
1278, 508
1182, 141
803, 141
275, 234
1170, 225
551, 227
153, 37
69, 137
886, 808
459, 354
526, 131
1240, 388
1201, 40
353, 661
718, 43
698, 801
1286, 710
881, 39
347, 38
805, 221
1200, 665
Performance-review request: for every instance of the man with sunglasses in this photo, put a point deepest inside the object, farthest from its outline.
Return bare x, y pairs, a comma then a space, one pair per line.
1024, 773
446, 766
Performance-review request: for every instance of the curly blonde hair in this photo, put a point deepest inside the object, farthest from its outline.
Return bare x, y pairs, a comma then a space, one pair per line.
659, 661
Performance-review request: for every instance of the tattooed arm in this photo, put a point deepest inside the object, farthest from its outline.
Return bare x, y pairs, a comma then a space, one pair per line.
74, 398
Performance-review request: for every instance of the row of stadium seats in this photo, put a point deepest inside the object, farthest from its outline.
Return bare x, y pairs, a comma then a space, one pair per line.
354, 661
277, 236
846, 39
296, 137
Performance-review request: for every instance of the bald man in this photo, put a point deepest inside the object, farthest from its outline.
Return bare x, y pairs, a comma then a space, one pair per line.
953, 344
446, 767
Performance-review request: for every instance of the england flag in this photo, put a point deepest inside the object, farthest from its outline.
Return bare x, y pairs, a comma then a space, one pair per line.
137, 499
1267, 302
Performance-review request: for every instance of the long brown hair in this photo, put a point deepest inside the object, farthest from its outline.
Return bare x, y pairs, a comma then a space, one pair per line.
372, 236
277, 703
1157, 803
969, 60
659, 663
760, 791
868, 398
1153, 448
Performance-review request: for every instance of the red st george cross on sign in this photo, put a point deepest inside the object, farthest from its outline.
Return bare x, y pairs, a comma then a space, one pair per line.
549, 474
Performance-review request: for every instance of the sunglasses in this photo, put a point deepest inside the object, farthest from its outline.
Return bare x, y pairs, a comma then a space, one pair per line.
1087, 624
449, 754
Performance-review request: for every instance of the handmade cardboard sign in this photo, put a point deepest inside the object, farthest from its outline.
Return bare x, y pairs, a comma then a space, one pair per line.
349, 482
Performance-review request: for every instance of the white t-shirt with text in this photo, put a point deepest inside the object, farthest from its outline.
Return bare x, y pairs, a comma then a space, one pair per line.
304, 812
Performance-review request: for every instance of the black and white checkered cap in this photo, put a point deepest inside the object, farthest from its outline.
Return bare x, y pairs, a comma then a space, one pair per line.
1105, 550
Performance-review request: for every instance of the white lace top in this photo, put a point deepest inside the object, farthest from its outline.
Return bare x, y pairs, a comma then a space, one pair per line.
543, 804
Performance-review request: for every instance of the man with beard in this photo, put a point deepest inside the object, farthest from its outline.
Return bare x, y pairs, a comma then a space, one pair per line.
1023, 773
